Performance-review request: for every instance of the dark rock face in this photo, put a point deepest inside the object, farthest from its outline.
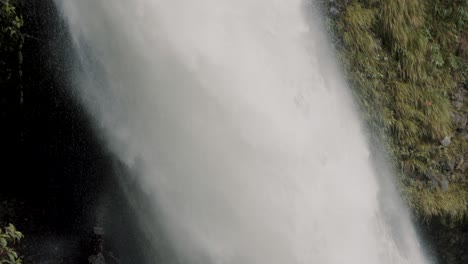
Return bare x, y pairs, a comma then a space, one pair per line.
55, 166
54, 163
447, 243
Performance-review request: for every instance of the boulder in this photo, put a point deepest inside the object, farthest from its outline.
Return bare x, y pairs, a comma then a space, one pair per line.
449, 165
438, 181
334, 11
460, 120
444, 183
446, 141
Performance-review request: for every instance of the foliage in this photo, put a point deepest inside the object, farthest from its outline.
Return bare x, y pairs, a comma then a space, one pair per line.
11, 58
11, 41
11, 38
405, 59
8, 237
435, 202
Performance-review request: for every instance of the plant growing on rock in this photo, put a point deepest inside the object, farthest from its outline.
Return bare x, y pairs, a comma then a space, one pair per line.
9, 236
407, 61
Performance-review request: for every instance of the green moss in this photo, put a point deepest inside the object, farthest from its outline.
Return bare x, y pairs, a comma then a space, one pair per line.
429, 201
404, 59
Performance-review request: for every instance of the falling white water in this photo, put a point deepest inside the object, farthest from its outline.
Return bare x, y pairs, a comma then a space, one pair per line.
242, 131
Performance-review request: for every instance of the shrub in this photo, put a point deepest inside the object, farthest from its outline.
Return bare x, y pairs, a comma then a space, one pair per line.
9, 236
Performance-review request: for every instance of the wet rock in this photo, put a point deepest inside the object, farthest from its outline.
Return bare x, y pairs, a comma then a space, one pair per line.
459, 96
458, 105
97, 259
460, 120
460, 163
464, 168
449, 165
458, 99
20, 57
438, 181
446, 141
433, 179
334, 11
434, 183
444, 183
464, 135
98, 230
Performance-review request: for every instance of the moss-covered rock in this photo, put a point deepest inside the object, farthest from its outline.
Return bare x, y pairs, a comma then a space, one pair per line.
407, 63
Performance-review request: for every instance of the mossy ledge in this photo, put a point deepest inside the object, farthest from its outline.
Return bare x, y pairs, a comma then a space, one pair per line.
406, 61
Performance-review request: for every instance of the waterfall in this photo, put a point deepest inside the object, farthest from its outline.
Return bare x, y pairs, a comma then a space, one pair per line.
241, 132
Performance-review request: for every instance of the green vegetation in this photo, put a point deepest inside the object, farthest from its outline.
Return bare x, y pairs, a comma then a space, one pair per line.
406, 61
11, 41
9, 236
